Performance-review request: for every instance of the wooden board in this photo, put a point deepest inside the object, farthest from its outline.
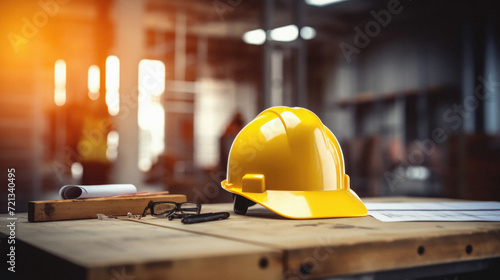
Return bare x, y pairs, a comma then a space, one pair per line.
259, 245
121, 249
363, 244
88, 208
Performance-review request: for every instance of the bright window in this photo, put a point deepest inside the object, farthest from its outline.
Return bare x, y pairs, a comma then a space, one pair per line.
151, 118
60, 82
113, 84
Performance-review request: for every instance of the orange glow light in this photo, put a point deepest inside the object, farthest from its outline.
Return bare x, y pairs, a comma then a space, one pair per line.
60, 82
94, 82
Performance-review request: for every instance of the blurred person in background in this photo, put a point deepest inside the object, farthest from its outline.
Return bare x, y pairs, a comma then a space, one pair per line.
92, 145
226, 140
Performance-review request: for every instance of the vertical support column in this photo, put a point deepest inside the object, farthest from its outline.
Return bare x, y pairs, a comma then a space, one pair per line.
103, 42
467, 73
422, 96
301, 57
268, 48
490, 82
202, 53
479, 56
180, 45
37, 134
127, 18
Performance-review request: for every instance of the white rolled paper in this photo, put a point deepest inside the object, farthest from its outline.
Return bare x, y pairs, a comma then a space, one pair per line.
82, 191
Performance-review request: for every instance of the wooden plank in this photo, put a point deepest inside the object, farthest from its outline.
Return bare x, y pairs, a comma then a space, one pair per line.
313, 248
71, 209
122, 249
292, 249
376, 256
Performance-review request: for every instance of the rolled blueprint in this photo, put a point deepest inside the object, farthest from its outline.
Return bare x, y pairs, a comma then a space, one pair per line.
82, 191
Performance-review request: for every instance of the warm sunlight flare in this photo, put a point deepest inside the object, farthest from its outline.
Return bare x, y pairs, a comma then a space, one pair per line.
94, 82
60, 82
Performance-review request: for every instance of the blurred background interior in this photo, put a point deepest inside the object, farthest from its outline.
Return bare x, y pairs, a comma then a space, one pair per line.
152, 92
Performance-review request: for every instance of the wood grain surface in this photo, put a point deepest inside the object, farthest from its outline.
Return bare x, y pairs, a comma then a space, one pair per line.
259, 245
88, 208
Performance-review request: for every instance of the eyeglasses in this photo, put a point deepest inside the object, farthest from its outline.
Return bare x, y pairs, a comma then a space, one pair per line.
171, 209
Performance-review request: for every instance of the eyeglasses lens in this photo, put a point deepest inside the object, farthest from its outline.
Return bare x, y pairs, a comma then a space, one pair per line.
189, 208
163, 208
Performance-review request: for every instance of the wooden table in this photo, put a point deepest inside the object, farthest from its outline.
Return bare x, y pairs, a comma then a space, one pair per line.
260, 245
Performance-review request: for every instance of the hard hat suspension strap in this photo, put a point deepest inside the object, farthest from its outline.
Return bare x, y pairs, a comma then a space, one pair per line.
241, 204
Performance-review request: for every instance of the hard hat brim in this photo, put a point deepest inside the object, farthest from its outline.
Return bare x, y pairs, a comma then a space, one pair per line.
306, 204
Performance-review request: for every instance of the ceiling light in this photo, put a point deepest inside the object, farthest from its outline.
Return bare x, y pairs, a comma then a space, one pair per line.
285, 33
307, 33
321, 3
255, 37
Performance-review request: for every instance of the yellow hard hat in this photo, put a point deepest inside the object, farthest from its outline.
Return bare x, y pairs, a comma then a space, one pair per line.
289, 162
